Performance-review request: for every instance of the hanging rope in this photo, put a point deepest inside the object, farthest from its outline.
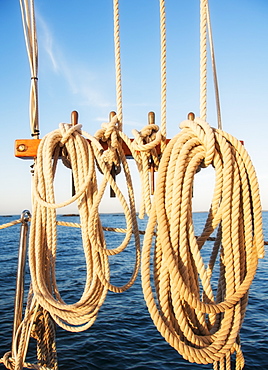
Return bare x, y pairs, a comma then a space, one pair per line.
163, 74
117, 52
144, 145
29, 28
43, 237
36, 324
205, 27
203, 59
213, 61
201, 324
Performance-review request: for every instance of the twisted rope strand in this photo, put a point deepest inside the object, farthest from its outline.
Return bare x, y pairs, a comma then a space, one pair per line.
8, 224
163, 73
203, 59
118, 63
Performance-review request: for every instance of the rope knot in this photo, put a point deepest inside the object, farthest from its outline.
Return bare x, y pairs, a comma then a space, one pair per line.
205, 134
147, 139
149, 132
109, 133
67, 130
8, 360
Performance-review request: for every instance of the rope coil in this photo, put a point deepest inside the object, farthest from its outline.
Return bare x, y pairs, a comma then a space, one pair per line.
43, 236
201, 325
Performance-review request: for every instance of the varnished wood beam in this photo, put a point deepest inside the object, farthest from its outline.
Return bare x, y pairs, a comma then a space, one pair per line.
27, 148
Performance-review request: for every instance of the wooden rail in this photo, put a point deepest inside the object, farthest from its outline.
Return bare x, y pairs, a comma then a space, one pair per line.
27, 148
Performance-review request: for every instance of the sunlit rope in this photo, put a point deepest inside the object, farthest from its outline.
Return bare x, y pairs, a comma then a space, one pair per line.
82, 155
144, 145
38, 325
211, 323
205, 28
8, 224
163, 73
29, 28
117, 52
203, 59
78, 225
201, 324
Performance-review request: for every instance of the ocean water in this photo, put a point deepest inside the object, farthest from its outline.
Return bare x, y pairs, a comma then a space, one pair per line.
123, 336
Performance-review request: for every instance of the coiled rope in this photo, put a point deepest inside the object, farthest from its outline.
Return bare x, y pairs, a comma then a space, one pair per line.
81, 155
201, 324
199, 320
205, 28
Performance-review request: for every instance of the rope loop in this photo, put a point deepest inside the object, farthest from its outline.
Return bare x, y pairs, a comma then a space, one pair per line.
144, 145
8, 361
149, 132
83, 153
67, 130
147, 139
205, 135
109, 131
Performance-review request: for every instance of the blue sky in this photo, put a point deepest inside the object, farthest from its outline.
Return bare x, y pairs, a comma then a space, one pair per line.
76, 72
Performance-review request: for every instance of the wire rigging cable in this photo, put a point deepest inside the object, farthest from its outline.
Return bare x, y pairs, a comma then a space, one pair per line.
29, 28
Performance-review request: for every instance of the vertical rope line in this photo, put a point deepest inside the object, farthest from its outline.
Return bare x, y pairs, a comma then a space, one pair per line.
29, 28
213, 61
118, 64
203, 59
163, 73
34, 88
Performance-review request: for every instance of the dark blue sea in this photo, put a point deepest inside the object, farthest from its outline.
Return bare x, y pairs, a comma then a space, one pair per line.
123, 336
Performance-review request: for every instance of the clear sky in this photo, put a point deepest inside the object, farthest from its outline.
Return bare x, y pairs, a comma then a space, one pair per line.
76, 72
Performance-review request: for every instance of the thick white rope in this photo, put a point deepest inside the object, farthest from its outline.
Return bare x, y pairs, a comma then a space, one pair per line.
203, 59
205, 27
203, 326
163, 74
82, 155
8, 224
82, 314
29, 28
144, 145
118, 78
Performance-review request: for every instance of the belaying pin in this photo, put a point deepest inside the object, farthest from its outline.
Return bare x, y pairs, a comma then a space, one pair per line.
191, 116
74, 117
